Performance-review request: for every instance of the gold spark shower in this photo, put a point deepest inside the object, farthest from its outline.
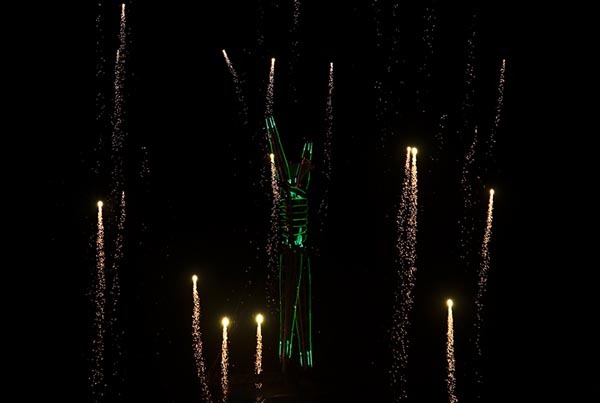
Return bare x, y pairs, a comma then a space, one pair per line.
329, 124
327, 149
118, 199
428, 39
378, 22
101, 112
115, 289
238, 87
118, 135
296, 14
404, 299
118, 194
225, 361
271, 249
197, 343
294, 47
467, 223
270, 90
468, 103
451, 380
258, 358
97, 377
499, 107
483, 276
412, 223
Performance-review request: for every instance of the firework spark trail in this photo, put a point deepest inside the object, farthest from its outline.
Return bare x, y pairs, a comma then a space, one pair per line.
499, 107
381, 103
483, 277
404, 203
294, 50
272, 242
428, 38
270, 90
238, 88
467, 222
451, 380
394, 59
118, 199
377, 15
258, 363
327, 149
97, 377
296, 14
118, 135
390, 85
197, 344
100, 76
407, 238
329, 124
470, 74
145, 166
413, 209
225, 362
439, 140
115, 289
258, 358
260, 36
263, 140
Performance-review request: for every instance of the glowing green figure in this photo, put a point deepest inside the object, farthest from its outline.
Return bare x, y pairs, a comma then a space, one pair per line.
295, 316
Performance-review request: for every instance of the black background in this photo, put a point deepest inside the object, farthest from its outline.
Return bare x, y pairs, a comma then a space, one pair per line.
204, 209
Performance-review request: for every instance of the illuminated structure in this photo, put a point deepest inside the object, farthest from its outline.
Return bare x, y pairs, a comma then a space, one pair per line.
295, 316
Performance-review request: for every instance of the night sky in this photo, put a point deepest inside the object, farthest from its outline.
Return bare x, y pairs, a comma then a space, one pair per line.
204, 207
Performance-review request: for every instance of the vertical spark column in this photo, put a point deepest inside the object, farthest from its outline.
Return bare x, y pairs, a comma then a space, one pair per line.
451, 380
97, 377
225, 361
197, 343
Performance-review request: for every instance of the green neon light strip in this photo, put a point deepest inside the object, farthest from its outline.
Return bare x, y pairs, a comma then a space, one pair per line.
310, 347
271, 124
310, 148
296, 302
280, 307
299, 345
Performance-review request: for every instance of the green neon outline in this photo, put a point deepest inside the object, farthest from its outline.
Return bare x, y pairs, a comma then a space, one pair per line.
280, 305
310, 345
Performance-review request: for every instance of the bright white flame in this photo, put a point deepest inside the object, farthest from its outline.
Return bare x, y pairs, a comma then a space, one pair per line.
414, 150
259, 319
492, 192
272, 156
449, 303
100, 204
194, 278
225, 321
